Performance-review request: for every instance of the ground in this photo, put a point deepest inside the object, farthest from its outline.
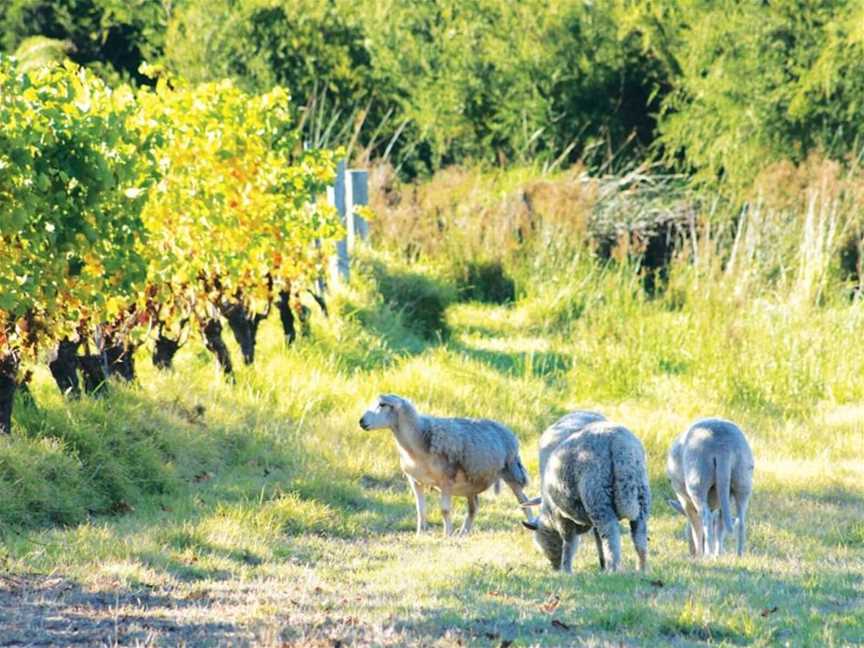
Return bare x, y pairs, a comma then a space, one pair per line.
299, 530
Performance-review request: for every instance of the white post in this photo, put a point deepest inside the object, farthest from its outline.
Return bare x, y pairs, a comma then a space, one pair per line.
336, 197
357, 194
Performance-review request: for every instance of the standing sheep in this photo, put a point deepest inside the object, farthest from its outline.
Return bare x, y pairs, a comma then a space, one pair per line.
593, 478
706, 464
458, 456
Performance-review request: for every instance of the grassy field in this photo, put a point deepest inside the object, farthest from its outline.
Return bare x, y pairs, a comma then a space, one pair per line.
187, 511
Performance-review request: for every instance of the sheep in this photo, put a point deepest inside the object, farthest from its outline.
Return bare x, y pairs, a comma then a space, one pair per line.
590, 480
457, 456
560, 430
706, 464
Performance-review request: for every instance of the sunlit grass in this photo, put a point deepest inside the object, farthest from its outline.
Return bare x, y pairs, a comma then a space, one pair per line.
265, 503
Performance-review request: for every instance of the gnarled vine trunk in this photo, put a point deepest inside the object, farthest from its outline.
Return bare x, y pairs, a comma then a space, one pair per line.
164, 352
64, 368
8, 384
120, 358
212, 331
286, 315
244, 326
94, 372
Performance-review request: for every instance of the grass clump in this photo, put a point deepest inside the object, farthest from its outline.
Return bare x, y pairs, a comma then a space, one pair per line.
419, 300
484, 281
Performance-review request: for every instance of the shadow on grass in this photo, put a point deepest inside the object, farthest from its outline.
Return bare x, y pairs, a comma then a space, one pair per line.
528, 605
549, 365
42, 610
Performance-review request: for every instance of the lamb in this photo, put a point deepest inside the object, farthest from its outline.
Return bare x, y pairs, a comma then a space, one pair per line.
706, 464
591, 479
457, 456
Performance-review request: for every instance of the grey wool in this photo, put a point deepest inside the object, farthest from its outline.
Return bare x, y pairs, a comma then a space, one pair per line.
560, 430
591, 479
708, 464
457, 456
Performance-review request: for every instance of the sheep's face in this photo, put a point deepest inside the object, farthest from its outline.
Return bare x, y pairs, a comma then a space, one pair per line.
548, 540
383, 413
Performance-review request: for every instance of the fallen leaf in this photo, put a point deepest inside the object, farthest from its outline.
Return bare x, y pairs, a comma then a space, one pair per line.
768, 611
560, 624
493, 593
551, 604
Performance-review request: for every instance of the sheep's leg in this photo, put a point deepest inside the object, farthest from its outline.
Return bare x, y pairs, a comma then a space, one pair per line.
420, 502
708, 531
520, 495
473, 505
610, 538
570, 544
741, 502
639, 534
688, 530
697, 540
600, 554
719, 533
446, 507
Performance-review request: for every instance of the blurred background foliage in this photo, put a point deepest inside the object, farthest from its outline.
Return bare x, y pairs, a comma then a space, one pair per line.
720, 90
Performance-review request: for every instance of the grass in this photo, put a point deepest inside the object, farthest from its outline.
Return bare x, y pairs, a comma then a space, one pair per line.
184, 510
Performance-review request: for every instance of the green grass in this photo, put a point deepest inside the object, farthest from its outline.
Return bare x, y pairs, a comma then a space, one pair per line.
263, 514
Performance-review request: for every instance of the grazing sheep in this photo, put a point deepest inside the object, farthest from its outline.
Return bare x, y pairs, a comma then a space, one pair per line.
593, 478
458, 456
560, 430
706, 464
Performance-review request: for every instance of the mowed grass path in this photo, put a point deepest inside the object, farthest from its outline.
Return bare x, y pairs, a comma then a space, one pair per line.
297, 526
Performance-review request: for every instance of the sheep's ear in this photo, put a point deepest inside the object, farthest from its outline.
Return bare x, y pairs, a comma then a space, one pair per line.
531, 525
534, 501
675, 504
393, 401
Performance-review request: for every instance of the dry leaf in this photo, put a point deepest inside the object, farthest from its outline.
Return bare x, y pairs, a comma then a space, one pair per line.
551, 604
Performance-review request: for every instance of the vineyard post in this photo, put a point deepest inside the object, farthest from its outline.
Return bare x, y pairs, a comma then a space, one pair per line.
336, 197
357, 195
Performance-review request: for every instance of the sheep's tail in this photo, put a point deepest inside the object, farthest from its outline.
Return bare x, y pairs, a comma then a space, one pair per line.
628, 469
722, 478
517, 471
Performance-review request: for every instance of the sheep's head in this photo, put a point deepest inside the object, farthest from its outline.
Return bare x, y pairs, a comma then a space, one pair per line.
547, 539
383, 413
